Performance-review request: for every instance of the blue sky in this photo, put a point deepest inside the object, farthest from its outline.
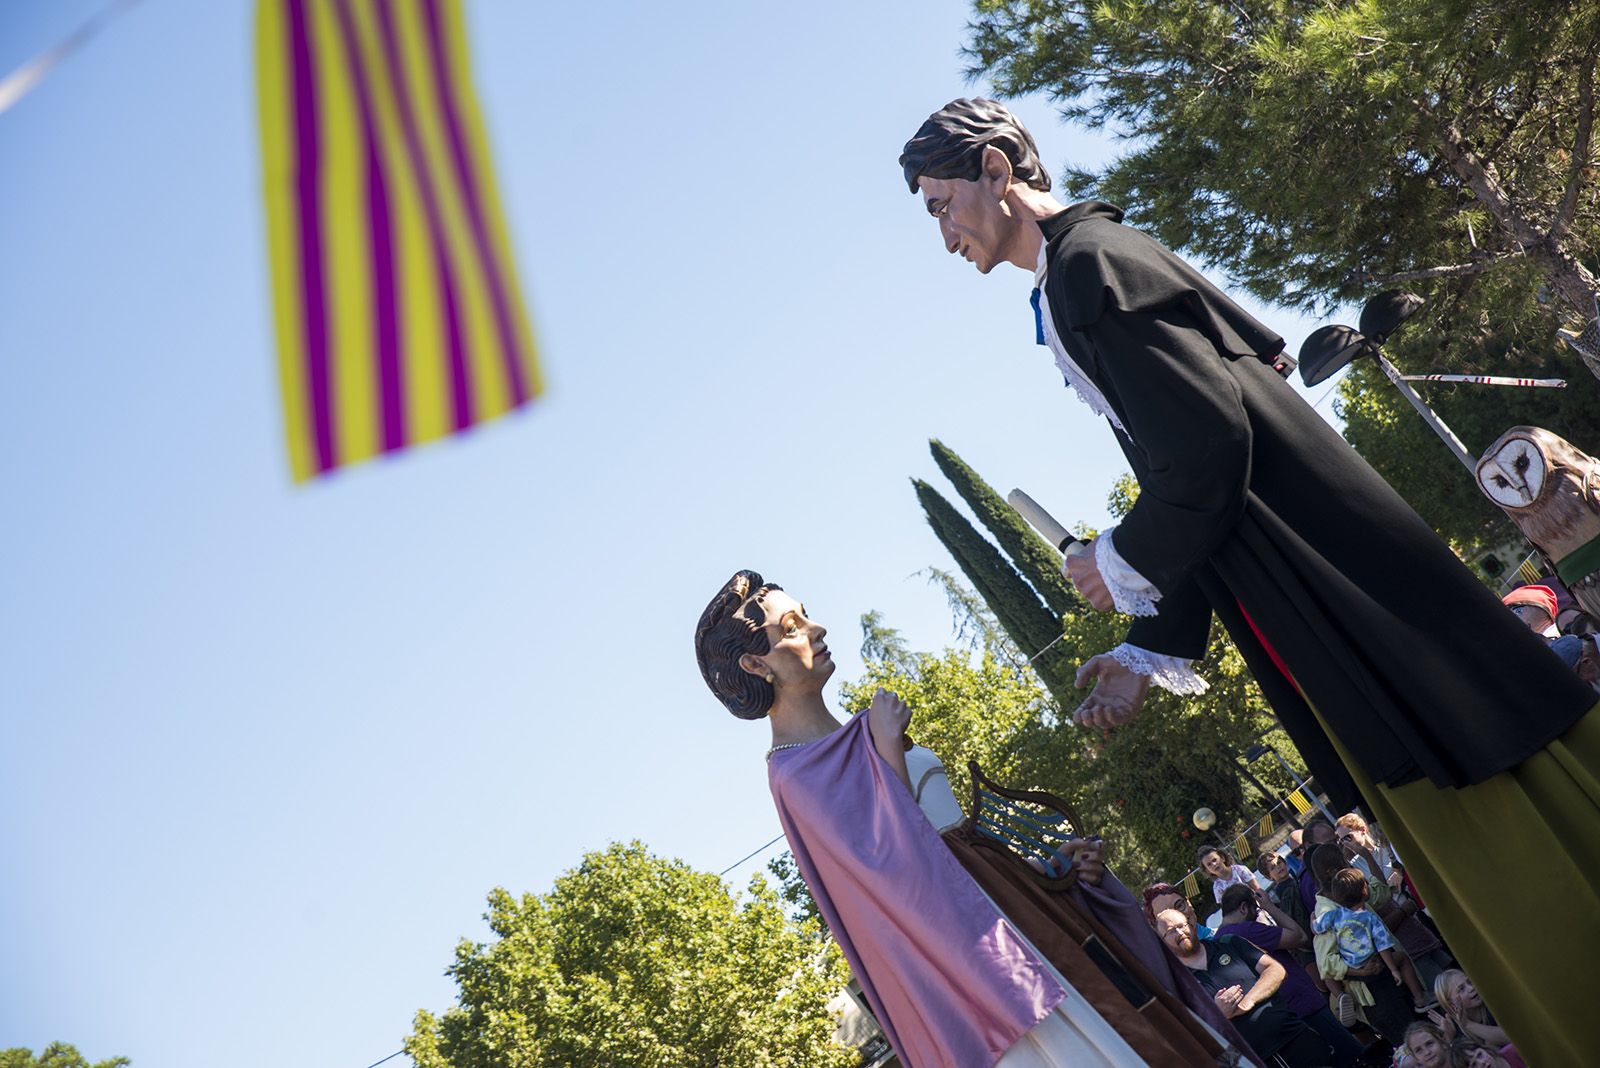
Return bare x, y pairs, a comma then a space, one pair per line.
266, 748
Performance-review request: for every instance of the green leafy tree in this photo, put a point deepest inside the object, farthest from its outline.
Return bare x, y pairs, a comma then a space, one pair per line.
55, 1055
637, 960
1318, 151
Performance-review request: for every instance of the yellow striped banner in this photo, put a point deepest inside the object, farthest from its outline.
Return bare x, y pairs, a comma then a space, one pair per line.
1191, 885
1241, 850
1264, 828
1299, 801
397, 309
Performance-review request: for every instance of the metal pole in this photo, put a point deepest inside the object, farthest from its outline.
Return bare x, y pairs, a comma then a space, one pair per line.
1244, 769
1315, 797
1446, 435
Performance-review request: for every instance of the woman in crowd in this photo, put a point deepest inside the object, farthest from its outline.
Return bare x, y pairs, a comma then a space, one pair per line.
1402, 913
951, 981
1158, 897
1465, 1010
1363, 849
1383, 1003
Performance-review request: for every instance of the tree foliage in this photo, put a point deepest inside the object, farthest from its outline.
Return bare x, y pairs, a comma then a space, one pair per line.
55, 1055
1139, 784
637, 960
1319, 151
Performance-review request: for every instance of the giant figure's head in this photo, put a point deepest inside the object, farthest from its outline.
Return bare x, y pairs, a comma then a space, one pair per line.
754, 640
970, 160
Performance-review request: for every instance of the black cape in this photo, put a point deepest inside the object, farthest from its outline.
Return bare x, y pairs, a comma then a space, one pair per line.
1247, 498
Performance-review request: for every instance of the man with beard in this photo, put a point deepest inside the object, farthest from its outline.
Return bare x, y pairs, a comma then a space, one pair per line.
1244, 981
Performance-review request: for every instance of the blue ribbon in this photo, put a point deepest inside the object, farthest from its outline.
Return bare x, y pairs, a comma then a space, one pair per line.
1038, 318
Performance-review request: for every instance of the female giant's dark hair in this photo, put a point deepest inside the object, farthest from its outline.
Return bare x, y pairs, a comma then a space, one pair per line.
950, 144
724, 634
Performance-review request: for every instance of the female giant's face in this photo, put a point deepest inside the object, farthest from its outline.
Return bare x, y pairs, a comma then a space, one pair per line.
798, 660
1429, 1051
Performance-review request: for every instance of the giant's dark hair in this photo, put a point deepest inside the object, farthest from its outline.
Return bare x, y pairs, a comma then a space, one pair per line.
950, 144
731, 626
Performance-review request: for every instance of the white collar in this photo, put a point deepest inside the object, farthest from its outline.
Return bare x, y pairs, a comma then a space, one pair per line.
1086, 390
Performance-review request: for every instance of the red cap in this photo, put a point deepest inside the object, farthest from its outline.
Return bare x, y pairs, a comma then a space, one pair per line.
1542, 596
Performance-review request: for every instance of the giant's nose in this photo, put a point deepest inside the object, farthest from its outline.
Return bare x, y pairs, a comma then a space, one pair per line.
947, 232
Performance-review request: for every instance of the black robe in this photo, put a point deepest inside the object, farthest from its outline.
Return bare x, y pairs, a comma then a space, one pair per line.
1248, 498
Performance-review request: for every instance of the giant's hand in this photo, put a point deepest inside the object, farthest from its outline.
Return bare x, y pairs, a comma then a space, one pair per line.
1085, 574
888, 716
1088, 857
1118, 693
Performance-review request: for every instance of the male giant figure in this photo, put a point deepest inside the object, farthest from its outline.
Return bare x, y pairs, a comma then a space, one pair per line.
1398, 675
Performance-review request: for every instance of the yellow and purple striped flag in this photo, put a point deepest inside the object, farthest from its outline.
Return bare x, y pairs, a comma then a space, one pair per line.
398, 314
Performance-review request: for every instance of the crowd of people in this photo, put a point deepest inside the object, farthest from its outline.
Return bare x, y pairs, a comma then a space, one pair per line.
1324, 955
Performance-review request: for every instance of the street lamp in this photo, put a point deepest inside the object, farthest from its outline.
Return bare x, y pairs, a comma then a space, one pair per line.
1330, 348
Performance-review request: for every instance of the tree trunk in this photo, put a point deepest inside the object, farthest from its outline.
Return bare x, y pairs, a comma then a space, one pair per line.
1573, 284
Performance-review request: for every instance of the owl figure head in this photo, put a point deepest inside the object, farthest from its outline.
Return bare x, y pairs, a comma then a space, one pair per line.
1549, 488
1514, 470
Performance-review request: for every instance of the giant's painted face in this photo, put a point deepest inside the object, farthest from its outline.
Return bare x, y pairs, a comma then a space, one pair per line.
973, 220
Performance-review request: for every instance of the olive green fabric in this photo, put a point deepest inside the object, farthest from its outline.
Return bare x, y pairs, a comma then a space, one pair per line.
1510, 871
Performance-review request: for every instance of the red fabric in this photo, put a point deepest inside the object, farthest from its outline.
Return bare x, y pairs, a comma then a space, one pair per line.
1262, 638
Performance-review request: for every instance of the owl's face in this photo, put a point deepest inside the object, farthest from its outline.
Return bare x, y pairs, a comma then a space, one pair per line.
1514, 474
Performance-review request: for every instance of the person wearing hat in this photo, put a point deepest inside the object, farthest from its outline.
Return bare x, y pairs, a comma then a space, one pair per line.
1445, 718
1537, 606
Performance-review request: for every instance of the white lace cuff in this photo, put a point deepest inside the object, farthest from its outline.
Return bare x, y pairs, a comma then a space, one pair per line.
1171, 673
1131, 592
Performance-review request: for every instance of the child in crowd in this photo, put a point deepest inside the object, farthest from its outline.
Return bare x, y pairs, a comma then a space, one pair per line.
1361, 933
1217, 864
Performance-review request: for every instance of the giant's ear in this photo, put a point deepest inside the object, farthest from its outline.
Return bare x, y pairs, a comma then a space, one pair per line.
753, 664
996, 171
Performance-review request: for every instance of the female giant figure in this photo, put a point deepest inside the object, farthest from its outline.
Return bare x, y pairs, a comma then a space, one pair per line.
950, 979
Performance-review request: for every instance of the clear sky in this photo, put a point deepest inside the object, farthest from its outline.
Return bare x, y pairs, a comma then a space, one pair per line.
266, 748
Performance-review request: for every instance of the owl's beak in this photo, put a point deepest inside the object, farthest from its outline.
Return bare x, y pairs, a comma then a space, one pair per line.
1514, 481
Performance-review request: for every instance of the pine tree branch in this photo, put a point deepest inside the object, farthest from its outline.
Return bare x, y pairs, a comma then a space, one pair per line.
1570, 280
1362, 278
1580, 149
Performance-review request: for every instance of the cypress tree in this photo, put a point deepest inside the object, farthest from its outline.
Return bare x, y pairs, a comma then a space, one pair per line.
1036, 558
1025, 618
